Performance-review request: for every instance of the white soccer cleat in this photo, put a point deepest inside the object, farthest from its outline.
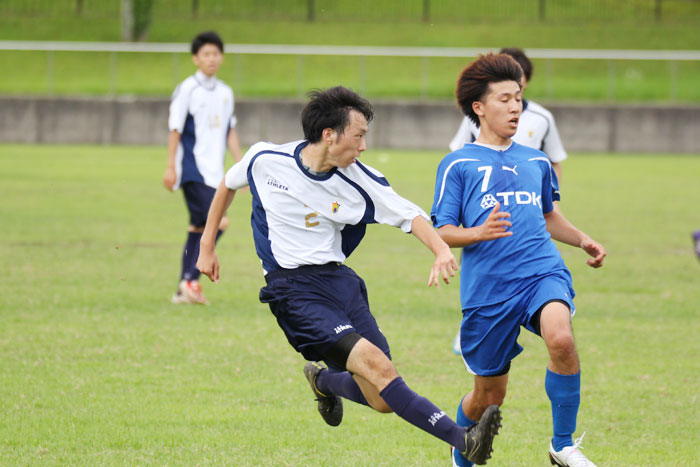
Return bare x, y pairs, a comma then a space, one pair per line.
190, 292
570, 456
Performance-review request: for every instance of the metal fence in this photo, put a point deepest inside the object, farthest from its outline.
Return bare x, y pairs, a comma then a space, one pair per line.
299, 54
429, 11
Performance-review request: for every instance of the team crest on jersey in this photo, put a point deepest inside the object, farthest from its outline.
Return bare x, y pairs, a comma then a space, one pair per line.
488, 201
335, 206
530, 133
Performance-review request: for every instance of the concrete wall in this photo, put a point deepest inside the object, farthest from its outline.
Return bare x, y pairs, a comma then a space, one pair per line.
397, 124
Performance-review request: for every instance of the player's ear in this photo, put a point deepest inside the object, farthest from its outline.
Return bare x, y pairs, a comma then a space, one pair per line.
328, 135
477, 107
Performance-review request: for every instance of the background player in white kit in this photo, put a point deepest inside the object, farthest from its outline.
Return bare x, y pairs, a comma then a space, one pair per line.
202, 125
312, 200
536, 129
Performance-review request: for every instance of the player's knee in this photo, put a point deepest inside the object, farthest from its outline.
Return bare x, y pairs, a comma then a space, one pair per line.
561, 344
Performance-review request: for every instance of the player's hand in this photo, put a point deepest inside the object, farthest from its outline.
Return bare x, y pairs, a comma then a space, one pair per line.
595, 250
169, 178
495, 225
208, 264
444, 266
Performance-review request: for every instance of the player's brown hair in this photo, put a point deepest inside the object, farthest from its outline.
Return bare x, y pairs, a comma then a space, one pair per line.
473, 82
521, 58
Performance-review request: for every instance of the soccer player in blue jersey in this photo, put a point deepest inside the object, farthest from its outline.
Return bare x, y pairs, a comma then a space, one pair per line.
312, 200
495, 199
202, 125
536, 129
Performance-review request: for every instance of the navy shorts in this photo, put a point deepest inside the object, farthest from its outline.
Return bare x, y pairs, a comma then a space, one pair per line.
317, 305
489, 334
198, 197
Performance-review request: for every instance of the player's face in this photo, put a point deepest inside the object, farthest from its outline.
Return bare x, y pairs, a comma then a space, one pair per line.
208, 59
500, 110
347, 146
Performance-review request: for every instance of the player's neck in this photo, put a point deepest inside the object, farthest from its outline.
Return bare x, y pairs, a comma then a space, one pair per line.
315, 156
491, 138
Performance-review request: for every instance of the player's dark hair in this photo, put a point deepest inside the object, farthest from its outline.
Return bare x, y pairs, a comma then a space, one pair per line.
331, 109
473, 82
521, 58
207, 37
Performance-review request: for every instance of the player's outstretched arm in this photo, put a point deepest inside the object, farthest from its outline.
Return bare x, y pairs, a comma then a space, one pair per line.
445, 263
207, 262
493, 227
564, 231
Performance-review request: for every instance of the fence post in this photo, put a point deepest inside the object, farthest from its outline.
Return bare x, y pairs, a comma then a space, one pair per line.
673, 85
300, 75
425, 76
112, 74
79, 7
657, 11
362, 74
50, 72
195, 8
426, 11
611, 80
310, 11
542, 9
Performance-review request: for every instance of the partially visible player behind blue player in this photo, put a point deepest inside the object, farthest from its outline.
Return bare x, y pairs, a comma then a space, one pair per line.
202, 125
312, 200
495, 199
536, 129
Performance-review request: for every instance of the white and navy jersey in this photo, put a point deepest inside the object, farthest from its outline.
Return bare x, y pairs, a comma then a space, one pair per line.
536, 129
469, 183
300, 218
201, 110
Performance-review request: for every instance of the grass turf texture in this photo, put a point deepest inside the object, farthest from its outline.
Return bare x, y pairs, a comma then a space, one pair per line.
285, 76
98, 368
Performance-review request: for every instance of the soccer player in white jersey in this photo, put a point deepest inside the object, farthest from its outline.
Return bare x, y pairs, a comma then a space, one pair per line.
312, 200
202, 125
536, 129
495, 199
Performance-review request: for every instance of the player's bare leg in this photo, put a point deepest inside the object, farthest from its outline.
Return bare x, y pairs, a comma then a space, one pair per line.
563, 385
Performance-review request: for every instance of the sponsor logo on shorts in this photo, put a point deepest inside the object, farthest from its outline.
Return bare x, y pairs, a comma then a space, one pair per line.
341, 328
435, 417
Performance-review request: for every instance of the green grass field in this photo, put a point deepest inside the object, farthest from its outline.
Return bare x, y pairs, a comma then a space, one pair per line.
98, 368
458, 23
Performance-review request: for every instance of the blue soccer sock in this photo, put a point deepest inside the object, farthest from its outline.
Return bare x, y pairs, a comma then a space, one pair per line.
189, 257
341, 384
564, 392
422, 413
466, 422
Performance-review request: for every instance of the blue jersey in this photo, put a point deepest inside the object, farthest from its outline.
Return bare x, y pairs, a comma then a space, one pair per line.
469, 182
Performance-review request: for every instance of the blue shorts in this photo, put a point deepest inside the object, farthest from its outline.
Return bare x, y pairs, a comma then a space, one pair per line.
489, 334
198, 197
317, 305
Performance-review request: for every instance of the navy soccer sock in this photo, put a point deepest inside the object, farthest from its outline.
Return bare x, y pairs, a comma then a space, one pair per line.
422, 413
564, 392
341, 384
189, 257
466, 422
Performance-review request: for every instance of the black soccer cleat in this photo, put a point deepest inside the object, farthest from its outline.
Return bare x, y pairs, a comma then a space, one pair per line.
479, 437
330, 407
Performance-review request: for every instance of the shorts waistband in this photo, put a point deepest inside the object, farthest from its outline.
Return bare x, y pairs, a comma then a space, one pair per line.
302, 270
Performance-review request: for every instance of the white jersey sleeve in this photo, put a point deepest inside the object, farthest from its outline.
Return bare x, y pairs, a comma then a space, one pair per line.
467, 133
237, 176
389, 207
552, 145
179, 106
